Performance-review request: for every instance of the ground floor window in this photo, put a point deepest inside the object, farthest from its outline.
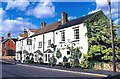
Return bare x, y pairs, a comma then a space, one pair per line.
68, 52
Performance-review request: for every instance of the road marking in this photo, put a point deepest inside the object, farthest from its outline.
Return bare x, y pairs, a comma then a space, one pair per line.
75, 72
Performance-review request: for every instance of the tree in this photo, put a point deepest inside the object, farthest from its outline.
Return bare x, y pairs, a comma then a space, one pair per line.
84, 63
52, 60
65, 60
58, 54
40, 60
27, 59
99, 38
75, 56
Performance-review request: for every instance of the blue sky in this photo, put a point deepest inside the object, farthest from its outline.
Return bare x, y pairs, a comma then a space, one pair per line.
17, 14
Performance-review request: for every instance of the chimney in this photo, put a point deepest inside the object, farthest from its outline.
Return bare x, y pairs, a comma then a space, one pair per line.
2, 38
8, 35
43, 24
64, 17
25, 31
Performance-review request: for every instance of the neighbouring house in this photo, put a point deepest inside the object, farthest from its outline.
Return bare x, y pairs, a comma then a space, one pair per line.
59, 35
42, 40
8, 45
23, 45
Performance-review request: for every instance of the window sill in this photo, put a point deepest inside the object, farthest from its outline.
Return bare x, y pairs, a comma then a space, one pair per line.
62, 42
39, 47
76, 40
48, 46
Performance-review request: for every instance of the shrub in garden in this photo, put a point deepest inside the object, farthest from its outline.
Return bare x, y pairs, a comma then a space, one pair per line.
58, 54
65, 60
52, 60
40, 60
27, 59
85, 64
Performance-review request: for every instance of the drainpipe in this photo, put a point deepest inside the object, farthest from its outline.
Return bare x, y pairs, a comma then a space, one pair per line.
43, 46
53, 43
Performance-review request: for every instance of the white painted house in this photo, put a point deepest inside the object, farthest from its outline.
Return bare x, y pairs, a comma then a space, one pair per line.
42, 40
59, 35
22, 45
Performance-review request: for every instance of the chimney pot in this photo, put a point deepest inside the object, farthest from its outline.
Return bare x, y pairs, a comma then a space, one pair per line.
25, 32
2, 38
8, 35
43, 24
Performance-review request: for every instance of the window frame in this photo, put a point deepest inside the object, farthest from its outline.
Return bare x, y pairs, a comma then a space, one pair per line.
40, 44
76, 33
67, 52
62, 35
49, 43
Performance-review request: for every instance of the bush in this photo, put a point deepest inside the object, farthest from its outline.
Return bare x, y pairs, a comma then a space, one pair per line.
27, 59
60, 64
85, 64
76, 63
67, 65
75, 56
32, 60
40, 60
58, 54
65, 60
52, 61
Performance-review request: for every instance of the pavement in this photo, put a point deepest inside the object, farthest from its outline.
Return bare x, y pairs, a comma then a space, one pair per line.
76, 71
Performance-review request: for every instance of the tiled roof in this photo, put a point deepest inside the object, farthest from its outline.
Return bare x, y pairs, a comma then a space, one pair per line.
21, 35
14, 39
24, 35
77, 21
47, 28
53, 26
32, 30
39, 31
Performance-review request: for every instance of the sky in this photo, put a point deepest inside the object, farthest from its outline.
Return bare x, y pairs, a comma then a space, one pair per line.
15, 15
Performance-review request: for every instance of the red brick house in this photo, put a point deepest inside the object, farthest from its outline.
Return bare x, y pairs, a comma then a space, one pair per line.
8, 45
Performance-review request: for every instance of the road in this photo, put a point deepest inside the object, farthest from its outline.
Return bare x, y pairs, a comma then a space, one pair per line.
13, 70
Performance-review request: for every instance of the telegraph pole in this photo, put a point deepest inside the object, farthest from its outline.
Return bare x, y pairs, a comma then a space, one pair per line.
112, 35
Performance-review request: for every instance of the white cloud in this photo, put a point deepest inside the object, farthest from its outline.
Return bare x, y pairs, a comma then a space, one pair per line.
103, 5
93, 11
15, 26
43, 10
72, 17
69, 18
19, 4
2, 13
117, 21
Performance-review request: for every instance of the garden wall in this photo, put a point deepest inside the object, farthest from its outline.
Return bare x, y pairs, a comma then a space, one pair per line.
106, 66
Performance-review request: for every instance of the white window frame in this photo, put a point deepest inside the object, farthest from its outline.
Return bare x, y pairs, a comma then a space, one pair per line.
40, 44
62, 35
76, 33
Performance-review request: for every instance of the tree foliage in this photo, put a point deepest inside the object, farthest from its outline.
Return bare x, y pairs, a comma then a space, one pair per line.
52, 60
58, 54
75, 56
99, 38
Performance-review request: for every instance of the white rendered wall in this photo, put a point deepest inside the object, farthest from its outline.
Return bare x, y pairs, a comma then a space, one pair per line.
69, 37
48, 36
